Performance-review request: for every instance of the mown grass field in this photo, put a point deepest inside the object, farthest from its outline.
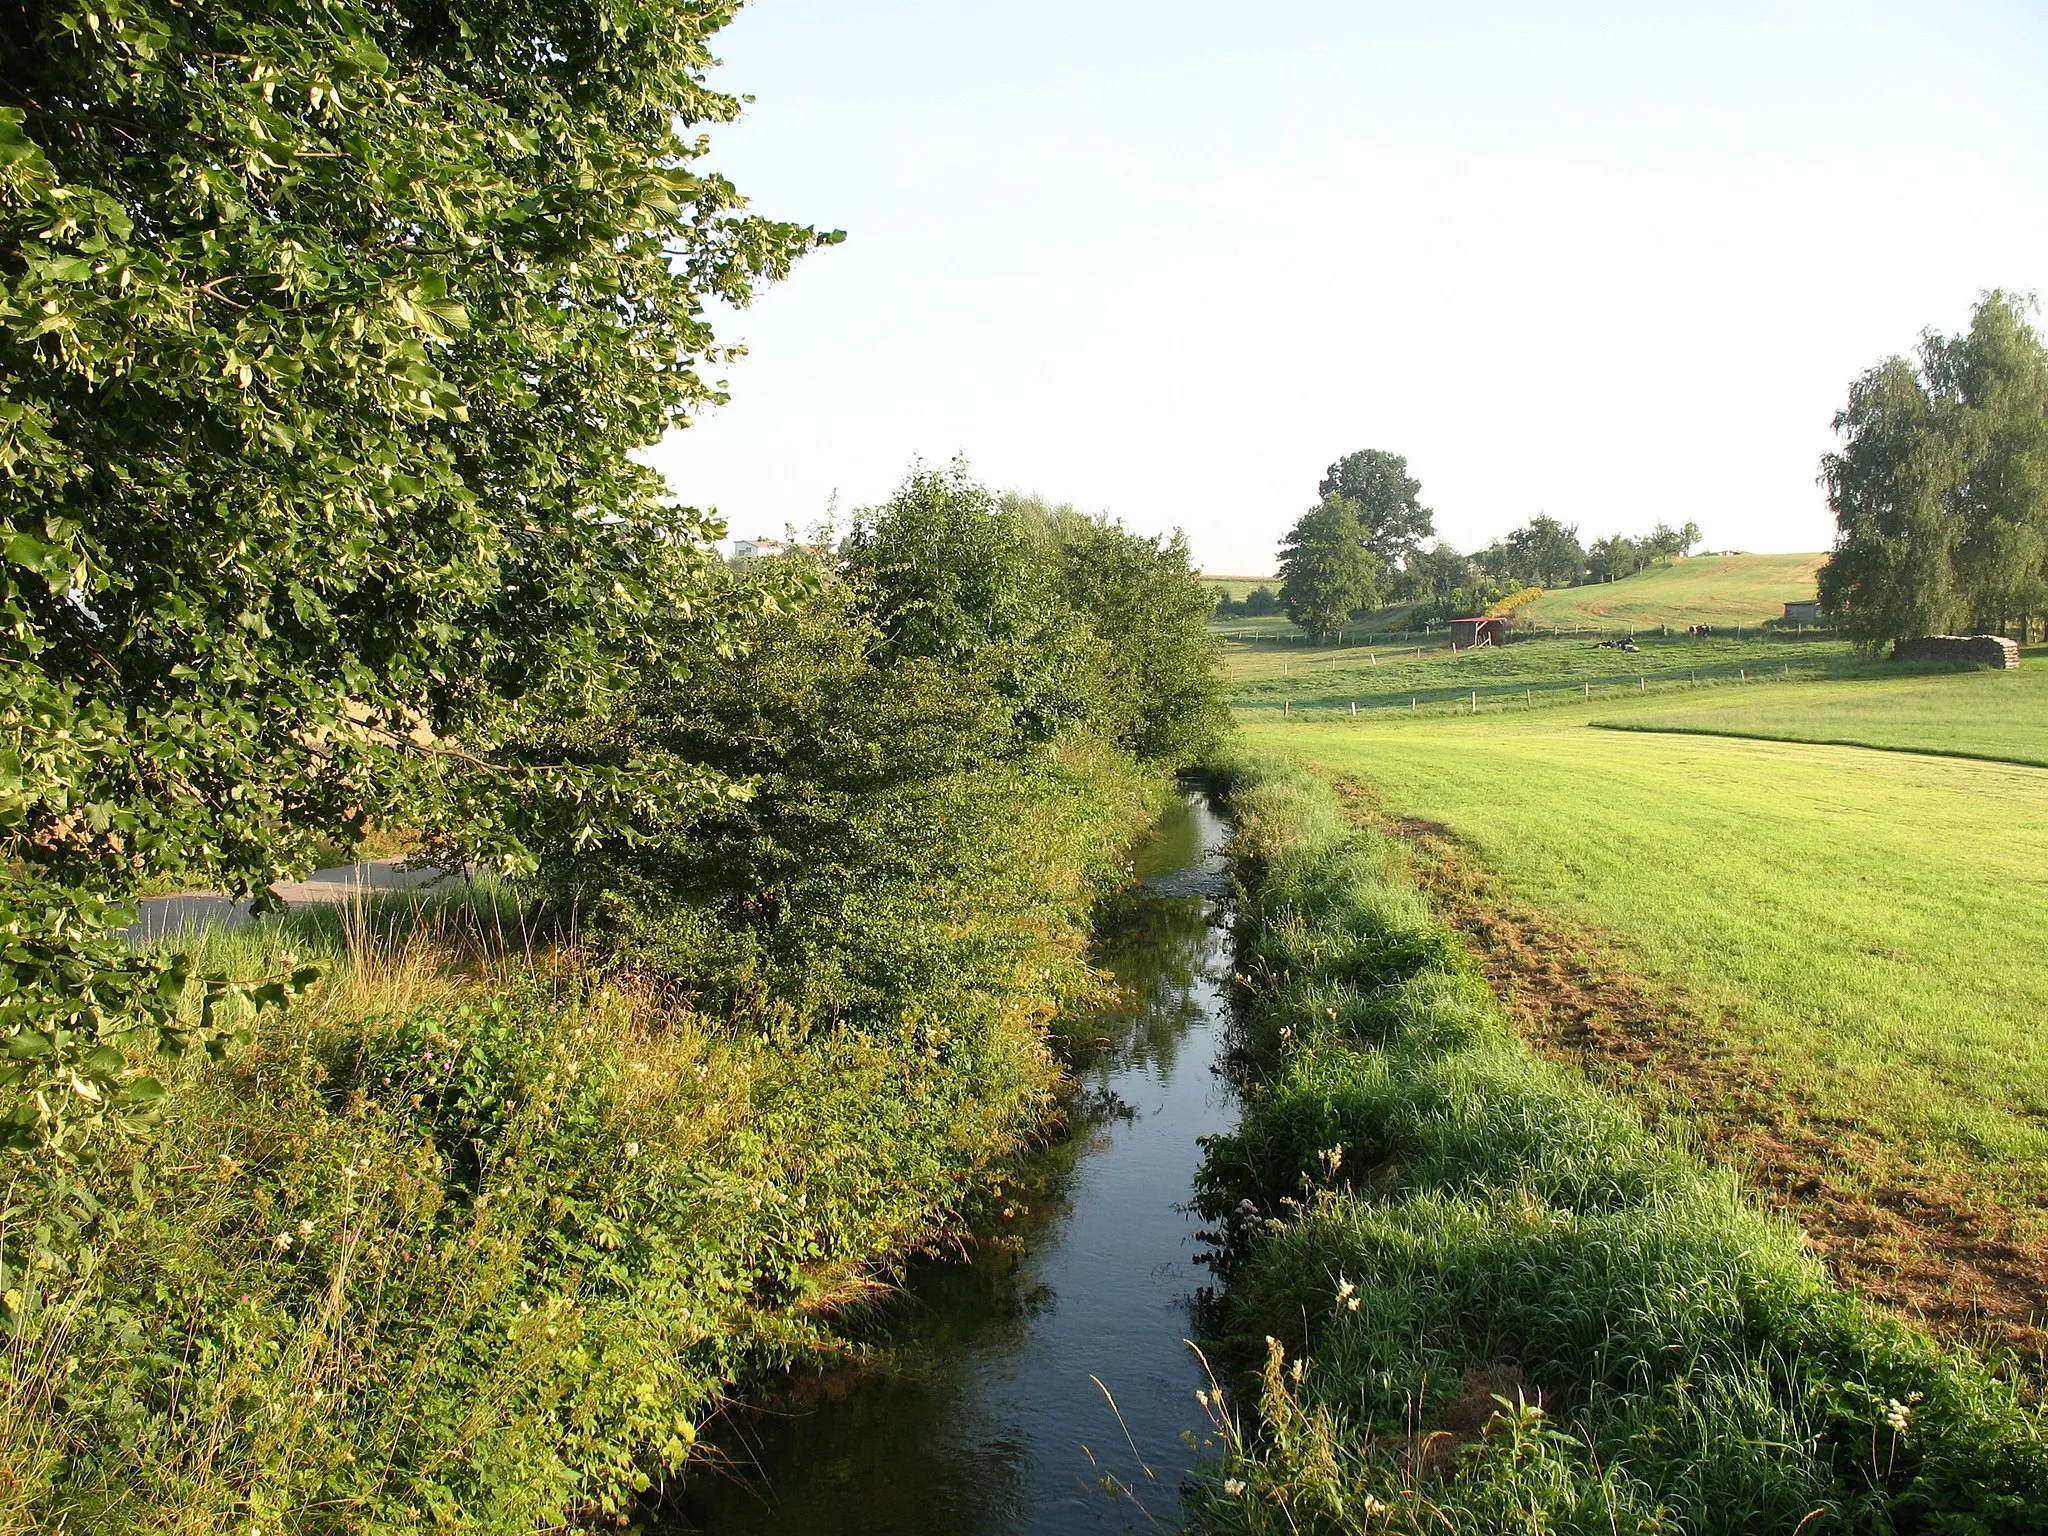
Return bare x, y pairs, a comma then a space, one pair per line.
1996, 715
1842, 951
1705, 589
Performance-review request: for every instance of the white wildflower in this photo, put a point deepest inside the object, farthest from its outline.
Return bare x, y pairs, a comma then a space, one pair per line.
1234, 1487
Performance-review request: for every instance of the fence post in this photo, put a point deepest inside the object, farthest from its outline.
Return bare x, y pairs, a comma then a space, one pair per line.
1642, 685
1589, 690
1354, 709
1411, 706
1287, 707
1475, 701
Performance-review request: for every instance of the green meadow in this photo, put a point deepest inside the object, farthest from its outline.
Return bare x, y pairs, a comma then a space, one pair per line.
1999, 715
1424, 675
1702, 589
1479, 1296
1861, 930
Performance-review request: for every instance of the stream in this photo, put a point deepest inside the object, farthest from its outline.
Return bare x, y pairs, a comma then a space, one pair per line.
993, 1414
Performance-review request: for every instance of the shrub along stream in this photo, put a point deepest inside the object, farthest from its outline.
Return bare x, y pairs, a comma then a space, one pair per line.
1479, 1296
474, 1230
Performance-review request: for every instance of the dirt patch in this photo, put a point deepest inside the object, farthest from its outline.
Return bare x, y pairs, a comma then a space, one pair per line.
1924, 1243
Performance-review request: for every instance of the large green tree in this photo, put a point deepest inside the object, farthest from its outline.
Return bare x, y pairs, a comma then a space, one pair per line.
1940, 488
1327, 573
326, 330
1391, 516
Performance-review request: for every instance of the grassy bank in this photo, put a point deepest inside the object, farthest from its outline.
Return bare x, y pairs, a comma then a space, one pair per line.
1836, 957
1484, 1298
476, 1235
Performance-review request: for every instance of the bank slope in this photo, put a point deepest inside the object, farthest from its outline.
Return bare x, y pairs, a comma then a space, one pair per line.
1482, 1297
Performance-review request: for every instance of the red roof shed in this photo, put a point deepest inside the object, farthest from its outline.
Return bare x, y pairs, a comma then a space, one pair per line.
1466, 633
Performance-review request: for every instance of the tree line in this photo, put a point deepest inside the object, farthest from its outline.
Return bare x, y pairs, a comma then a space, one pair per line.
1362, 547
1940, 488
328, 331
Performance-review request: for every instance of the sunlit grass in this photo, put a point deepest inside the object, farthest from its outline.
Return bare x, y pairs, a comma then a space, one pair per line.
2001, 715
1870, 925
1424, 675
1486, 1299
1705, 589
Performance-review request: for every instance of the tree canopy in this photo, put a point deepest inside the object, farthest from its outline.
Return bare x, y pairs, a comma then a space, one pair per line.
1940, 488
1542, 553
1327, 573
1391, 517
326, 330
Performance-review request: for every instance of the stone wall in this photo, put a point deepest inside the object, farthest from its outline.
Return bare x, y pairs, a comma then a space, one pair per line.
1984, 650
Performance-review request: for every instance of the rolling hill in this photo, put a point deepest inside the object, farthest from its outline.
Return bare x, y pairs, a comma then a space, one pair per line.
1705, 589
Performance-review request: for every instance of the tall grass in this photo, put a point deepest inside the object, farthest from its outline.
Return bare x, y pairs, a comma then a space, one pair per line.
1479, 1296
477, 1234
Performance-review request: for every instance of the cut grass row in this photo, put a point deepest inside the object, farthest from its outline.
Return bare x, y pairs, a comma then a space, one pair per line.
1508, 1306
1856, 934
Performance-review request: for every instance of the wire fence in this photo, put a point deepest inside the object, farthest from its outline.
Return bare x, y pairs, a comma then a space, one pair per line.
1508, 698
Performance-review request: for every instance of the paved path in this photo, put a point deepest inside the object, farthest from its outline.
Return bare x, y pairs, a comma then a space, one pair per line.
160, 915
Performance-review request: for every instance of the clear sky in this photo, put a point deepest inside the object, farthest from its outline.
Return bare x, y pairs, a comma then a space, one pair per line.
1169, 258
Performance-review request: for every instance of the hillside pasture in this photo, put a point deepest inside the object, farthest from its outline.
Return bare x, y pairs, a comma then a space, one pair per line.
1996, 715
1424, 674
1703, 589
1824, 960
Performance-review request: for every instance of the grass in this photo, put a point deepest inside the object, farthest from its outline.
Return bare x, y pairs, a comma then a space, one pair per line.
1997, 715
1704, 589
1507, 1305
1856, 935
1427, 675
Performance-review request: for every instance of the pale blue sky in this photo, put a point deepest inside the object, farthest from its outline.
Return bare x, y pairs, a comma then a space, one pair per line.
1615, 262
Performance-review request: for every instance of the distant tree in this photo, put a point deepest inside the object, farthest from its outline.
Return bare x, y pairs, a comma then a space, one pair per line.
1940, 489
1327, 573
1613, 557
1434, 574
1391, 517
1667, 543
1544, 553
1262, 602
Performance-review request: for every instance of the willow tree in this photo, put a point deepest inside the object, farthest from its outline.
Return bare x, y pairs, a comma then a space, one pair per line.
327, 328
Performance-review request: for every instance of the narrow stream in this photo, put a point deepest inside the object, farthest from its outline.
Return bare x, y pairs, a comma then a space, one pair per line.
990, 1418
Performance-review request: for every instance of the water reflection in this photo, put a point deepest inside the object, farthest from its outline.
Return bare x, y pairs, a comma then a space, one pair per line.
987, 1419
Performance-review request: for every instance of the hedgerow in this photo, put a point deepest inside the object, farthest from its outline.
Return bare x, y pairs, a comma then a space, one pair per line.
1479, 1296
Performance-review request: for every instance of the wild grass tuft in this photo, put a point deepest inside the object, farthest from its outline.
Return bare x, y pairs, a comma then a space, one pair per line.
1480, 1296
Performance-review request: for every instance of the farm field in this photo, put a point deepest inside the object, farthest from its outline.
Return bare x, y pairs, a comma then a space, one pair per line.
1704, 589
1382, 679
1825, 960
1996, 715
